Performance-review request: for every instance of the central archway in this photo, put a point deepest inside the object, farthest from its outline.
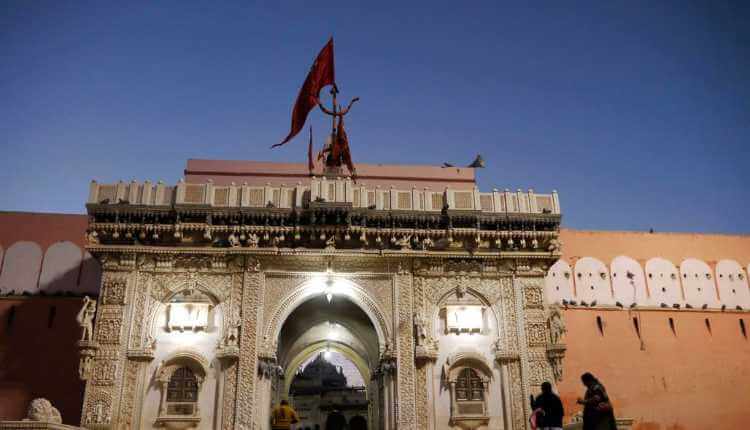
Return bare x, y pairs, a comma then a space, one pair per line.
339, 326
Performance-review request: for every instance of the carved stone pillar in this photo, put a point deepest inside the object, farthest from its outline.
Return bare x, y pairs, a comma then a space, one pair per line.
252, 300
108, 367
406, 374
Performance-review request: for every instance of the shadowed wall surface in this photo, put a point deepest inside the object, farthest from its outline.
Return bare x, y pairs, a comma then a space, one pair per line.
687, 379
38, 355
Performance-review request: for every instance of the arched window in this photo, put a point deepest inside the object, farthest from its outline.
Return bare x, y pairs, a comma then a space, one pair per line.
469, 386
468, 378
183, 386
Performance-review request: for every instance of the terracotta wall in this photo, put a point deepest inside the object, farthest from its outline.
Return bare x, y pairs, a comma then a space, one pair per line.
691, 380
224, 172
38, 355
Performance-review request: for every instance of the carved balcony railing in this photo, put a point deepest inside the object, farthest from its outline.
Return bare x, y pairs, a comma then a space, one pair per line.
326, 213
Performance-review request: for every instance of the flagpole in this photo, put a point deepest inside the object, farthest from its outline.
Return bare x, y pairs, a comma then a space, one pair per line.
334, 91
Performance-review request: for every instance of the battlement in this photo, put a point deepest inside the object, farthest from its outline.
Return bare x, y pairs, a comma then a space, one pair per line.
327, 212
322, 190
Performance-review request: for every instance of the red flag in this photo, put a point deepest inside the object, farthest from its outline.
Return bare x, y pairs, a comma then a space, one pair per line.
321, 74
310, 164
341, 147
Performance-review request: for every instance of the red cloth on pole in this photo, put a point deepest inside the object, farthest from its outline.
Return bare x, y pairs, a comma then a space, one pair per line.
341, 148
321, 74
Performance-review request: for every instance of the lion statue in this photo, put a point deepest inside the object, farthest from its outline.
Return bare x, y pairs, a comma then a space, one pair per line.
42, 410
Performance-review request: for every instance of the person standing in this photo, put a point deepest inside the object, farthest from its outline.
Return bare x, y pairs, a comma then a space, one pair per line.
549, 409
283, 416
598, 413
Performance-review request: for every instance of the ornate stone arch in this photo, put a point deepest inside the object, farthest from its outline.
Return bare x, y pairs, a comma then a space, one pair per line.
481, 298
176, 288
307, 289
199, 366
468, 357
183, 357
468, 412
316, 348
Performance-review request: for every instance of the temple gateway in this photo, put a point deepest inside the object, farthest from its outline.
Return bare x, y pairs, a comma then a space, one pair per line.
214, 290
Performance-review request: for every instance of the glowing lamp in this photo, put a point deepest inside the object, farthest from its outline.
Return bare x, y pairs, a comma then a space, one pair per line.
464, 318
191, 316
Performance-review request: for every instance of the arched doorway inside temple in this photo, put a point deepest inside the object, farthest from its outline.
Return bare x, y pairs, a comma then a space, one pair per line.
327, 350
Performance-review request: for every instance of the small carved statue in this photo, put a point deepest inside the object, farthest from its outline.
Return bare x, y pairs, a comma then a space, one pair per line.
84, 367
253, 240
556, 325
42, 410
427, 243
554, 245
85, 318
150, 341
92, 237
331, 242
231, 338
99, 414
461, 288
403, 243
420, 329
233, 241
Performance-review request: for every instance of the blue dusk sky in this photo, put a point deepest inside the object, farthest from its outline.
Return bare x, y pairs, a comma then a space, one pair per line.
638, 113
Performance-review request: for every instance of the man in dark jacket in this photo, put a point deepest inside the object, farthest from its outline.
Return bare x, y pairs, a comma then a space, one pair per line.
551, 414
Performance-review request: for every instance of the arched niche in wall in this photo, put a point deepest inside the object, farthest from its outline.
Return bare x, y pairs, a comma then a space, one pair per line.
733, 285
21, 266
699, 284
628, 282
180, 380
592, 281
558, 284
184, 329
91, 275
462, 314
60, 268
662, 279
467, 376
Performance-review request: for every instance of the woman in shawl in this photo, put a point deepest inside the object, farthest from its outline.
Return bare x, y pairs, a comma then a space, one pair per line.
597, 409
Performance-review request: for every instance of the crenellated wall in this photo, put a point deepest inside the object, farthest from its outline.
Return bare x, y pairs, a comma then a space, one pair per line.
43, 254
692, 278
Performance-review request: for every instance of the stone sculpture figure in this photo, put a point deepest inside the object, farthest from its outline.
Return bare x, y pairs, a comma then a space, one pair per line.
234, 242
253, 240
85, 318
556, 325
231, 338
42, 410
420, 329
84, 367
404, 242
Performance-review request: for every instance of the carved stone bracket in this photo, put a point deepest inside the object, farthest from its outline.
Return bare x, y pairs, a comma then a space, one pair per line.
426, 353
387, 366
87, 350
555, 355
268, 368
140, 354
228, 353
506, 357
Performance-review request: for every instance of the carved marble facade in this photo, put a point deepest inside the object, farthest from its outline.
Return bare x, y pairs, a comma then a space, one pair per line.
253, 268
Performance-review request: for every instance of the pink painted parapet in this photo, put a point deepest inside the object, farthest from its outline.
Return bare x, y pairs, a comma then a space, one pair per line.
224, 172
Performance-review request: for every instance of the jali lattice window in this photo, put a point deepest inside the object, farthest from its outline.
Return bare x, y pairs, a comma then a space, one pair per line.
182, 390
469, 386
